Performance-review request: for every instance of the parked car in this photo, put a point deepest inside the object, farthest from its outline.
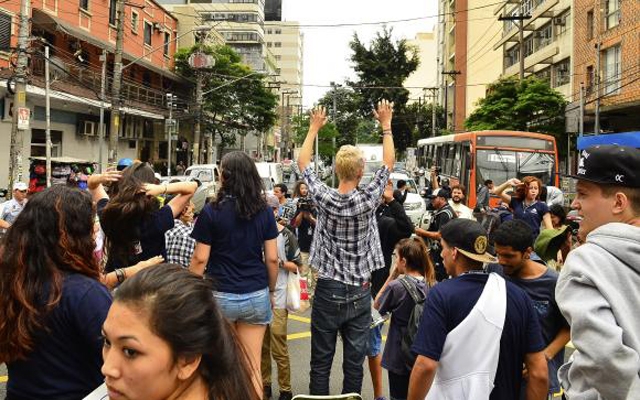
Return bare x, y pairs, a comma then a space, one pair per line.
414, 205
207, 174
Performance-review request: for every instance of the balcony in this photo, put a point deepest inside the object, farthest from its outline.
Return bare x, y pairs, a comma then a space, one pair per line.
67, 73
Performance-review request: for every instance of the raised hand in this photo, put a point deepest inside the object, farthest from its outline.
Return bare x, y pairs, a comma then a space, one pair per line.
318, 118
384, 113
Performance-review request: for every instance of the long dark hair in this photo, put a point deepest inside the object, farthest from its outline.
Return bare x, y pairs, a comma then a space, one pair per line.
240, 180
52, 235
123, 216
183, 312
296, 190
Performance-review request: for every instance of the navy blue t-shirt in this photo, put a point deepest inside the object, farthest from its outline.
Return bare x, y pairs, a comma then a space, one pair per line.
67, 358
235, 262
450, 302
531, 214
152, 241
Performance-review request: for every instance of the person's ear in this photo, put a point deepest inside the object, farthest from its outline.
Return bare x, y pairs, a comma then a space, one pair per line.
188, 366
527, 253
621, 203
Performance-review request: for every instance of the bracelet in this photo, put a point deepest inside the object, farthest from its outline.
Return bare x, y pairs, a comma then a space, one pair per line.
386, 132
165, 189
120, 275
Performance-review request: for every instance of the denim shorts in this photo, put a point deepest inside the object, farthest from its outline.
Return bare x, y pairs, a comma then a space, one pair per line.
250, 308
375, 341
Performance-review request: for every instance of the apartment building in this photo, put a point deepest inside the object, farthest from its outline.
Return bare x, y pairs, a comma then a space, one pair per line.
607, 63
425, 76
467, 31
78, 34
547, 41
285, 40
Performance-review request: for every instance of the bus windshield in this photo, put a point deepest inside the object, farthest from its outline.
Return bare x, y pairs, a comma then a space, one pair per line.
502, 165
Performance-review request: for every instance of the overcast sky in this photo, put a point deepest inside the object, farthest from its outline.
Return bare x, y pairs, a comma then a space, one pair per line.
326, 49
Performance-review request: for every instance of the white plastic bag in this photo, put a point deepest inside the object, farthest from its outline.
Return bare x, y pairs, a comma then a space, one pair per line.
293, 291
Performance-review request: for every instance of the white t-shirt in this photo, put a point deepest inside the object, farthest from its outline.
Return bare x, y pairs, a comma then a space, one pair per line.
462, 210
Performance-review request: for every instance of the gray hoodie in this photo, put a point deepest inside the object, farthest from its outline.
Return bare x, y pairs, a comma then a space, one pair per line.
598, 292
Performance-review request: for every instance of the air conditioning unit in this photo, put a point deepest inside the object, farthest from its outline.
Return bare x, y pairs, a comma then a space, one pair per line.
158, 26
559, 21
90, 128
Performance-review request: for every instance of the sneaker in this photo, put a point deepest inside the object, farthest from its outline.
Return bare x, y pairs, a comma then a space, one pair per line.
266, 392
285, 396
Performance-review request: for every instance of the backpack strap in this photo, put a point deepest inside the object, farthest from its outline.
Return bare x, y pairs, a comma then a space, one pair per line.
412, 288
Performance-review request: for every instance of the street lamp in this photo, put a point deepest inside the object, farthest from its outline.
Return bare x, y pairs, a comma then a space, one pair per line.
169, 126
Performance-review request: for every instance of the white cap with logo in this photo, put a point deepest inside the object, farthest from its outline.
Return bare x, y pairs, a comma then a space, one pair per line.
20, 186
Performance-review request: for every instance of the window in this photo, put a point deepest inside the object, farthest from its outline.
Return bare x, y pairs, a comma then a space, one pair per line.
277, 31
5, 31
562, 23
84, 4
277, 44
528, 46
269, 31
590, 79
612, 73
112, 11
544, 36
512, 56
38, 143
148, 30
269, 44
561, 75
278, 57
612, 13
590, 25
135, 20
545, 75
167, 41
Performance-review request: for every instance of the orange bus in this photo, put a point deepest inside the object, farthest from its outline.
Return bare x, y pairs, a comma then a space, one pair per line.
471, 158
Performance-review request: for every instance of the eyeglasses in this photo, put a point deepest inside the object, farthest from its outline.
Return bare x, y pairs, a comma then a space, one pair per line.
21, 191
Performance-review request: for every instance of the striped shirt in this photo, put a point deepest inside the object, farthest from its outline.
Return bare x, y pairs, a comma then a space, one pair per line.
346, 244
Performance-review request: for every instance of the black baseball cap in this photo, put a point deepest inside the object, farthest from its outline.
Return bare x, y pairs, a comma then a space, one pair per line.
441, 192
469, 237
610, 164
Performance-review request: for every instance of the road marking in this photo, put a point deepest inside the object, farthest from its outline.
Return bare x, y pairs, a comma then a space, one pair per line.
300, 319
570, 344
4, 378
300, 335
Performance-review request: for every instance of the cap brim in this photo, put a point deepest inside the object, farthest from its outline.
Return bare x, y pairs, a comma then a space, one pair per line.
485, 258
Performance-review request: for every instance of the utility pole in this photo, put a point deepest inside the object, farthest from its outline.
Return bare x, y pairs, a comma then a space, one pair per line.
101, 132
171, 99
47, 112
20, 97
596, 126
581, 123
196, 127
115, 89
334, 89
452, 74
434, 94
520, 25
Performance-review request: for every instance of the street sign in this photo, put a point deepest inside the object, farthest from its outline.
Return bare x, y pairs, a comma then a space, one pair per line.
23, 118
201, 60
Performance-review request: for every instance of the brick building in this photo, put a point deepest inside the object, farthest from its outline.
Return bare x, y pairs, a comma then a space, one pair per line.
614, 27
78, 32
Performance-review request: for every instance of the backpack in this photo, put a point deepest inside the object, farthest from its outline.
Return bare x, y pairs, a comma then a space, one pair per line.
414, 320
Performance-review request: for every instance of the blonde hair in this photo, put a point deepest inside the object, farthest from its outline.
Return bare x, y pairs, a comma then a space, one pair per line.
349, 162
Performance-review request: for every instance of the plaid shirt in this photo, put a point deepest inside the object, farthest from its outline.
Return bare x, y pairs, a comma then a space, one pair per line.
179, 244
346, 244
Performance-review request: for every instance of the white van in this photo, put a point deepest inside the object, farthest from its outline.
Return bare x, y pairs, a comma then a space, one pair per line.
273, 171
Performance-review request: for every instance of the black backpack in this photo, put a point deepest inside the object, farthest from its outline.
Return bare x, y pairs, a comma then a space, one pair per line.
410, 333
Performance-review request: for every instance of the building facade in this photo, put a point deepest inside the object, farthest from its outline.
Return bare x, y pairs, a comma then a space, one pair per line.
78, 35
607, 63
547, 45
285, 41
425, 76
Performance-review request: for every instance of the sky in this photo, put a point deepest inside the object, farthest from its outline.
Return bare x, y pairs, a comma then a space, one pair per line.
326, 49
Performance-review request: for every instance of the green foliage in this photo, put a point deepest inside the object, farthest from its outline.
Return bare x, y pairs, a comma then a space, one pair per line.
243, 106
381, 68
421, 116
300, 127
530, 105
346, 116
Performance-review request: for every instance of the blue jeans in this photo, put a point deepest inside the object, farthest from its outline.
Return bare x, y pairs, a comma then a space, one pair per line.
338, 307
250, 308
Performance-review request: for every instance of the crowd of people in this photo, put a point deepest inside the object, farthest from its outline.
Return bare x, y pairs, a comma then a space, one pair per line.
121, 288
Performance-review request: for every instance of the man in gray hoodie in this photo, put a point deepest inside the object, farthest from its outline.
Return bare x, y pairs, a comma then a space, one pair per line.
598, 290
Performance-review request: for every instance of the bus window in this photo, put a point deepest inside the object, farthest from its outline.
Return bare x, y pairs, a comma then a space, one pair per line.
501, 165
457, 163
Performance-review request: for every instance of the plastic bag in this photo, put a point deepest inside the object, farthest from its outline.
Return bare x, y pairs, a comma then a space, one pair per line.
293, 291
304, 295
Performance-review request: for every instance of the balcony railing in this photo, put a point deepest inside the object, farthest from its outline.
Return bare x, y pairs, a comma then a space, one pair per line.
81, 75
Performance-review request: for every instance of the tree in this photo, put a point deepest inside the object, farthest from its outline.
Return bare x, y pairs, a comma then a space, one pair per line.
300, 127
528, 105
381, 68
422, 114
237, 101
347, 113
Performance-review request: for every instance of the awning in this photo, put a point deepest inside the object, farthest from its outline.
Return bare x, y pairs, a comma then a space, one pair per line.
44, 19
622, 139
